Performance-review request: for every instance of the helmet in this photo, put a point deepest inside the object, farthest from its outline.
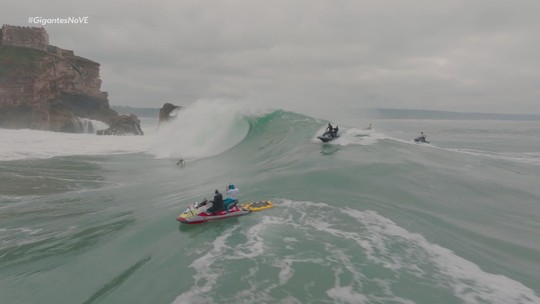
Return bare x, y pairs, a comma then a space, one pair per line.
231, 186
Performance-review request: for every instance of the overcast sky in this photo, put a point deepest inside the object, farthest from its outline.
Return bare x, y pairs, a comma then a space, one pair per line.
467, 56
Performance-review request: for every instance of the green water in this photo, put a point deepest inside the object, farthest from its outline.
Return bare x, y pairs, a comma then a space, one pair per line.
371, 218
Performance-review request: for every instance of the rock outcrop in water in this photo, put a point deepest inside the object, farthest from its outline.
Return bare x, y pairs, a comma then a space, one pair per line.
123, 125
45, 87
166, 110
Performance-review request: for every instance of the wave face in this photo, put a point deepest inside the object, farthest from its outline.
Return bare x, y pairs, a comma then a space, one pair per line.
371, 217
201, 130
204, 129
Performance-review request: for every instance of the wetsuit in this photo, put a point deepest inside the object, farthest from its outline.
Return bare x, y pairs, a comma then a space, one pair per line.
328, 131
336, 129
217, 205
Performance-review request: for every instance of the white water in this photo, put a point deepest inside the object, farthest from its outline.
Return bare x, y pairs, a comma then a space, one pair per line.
24, 144
352, 136
204, 129
374, 235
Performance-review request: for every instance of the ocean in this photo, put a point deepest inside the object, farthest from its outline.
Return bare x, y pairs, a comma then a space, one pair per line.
371, 217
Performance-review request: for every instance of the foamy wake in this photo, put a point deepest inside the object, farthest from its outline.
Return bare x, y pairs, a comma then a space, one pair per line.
284, 238
532, 158
352, 136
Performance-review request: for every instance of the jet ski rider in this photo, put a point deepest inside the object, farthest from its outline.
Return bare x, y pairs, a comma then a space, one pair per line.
329, 129
217, 204
334, 131
232, 196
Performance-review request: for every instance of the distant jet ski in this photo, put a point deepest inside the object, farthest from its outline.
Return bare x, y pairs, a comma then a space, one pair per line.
330, 134
421, 139
196, 213
326, 137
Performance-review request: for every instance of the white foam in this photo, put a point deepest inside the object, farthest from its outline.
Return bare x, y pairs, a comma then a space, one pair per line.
469, 282
346, 294
23, 144
353, 136
255, 243
379, 237
90, 125
207, 273
286, 272
532, 158
203, 129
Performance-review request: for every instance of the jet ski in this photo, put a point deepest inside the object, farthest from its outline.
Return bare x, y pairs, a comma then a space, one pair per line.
196, 213
421, 139
327, 136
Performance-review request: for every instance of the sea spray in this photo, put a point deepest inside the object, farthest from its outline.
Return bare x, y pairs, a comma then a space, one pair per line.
203, 129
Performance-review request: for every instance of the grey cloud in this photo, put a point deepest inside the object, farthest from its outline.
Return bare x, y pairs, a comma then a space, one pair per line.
450, 55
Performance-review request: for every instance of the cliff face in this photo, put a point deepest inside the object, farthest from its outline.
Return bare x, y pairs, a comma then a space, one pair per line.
49, 90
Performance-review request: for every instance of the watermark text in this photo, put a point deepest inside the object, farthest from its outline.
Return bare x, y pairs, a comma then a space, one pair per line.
67, 20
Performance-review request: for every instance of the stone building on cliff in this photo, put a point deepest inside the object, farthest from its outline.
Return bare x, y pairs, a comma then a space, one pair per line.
24, 36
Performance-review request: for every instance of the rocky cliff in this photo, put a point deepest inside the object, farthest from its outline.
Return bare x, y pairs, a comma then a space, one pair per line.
123, 125
49, 90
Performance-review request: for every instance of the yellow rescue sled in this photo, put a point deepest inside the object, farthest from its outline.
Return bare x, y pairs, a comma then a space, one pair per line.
257, 206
